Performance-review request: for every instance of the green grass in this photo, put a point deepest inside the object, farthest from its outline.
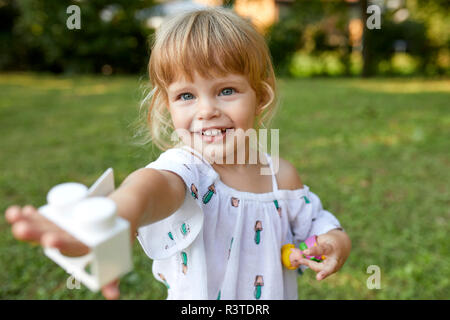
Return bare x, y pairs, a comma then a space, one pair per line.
375, 151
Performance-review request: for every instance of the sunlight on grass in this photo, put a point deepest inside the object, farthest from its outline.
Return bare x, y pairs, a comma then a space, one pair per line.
402, 85
80, 86
90, 90
31, 81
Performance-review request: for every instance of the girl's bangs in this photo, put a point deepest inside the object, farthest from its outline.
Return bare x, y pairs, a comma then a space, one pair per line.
198, 47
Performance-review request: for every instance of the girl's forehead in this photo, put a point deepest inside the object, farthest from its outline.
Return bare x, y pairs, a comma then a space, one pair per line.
213, 77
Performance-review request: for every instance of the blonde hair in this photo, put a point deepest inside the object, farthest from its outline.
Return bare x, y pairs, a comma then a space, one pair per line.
204, 41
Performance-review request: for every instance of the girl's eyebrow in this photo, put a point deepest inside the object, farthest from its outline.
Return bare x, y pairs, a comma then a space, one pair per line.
228, 81
177, 88
230, 78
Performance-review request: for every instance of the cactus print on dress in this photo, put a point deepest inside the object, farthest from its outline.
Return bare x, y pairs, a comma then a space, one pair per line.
208, 195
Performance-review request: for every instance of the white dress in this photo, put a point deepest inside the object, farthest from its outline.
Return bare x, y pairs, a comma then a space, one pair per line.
226, 244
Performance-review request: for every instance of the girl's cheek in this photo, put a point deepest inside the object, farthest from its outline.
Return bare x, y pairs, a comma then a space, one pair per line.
180, 119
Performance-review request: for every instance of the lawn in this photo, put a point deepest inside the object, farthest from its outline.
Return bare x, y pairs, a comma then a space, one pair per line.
375, 151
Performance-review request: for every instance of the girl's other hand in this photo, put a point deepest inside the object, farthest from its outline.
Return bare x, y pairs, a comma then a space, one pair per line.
335, 245
30, 226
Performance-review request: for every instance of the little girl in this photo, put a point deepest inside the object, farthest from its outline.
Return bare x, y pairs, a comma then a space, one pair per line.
213, 227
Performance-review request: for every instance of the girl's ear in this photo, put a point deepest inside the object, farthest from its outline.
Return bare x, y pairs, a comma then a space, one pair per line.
266, 99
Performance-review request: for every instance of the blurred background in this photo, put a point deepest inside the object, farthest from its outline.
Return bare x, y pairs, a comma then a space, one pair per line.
364, 117
306, 38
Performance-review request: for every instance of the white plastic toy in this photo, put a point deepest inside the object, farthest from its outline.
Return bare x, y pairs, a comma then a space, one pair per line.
89, 216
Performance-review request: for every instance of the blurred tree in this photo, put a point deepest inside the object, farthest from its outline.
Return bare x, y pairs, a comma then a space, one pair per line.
408, 36
435, 18
286, 36
313, 27
317, 30
10, 48
369, 67
396, 35
111, 39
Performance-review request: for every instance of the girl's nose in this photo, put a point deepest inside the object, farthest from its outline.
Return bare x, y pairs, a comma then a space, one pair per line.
207, 109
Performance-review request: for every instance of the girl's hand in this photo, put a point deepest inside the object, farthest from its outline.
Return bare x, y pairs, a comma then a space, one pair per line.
28, 225
336, 246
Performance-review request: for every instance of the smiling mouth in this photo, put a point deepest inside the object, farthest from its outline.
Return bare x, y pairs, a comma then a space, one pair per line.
216, 131
214, 134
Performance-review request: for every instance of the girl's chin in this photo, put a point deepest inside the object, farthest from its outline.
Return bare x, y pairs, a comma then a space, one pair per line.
216, 151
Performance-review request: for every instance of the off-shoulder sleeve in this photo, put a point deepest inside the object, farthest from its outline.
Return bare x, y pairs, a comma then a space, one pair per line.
307, 217
166, 237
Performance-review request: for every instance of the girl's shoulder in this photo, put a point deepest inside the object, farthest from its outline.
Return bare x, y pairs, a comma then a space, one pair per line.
287, 176
184, 163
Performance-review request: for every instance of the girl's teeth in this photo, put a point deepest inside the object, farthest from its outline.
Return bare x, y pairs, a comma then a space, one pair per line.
213, 132
216, 132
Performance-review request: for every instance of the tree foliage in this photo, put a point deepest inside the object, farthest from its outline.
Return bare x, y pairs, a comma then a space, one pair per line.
320, 28
37, 37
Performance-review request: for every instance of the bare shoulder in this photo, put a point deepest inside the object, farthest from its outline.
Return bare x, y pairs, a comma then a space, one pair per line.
287, 176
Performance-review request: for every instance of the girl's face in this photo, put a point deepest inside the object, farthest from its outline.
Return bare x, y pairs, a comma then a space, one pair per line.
209, 112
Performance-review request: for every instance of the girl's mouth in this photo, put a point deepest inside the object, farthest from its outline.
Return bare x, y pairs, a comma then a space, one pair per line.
215, 134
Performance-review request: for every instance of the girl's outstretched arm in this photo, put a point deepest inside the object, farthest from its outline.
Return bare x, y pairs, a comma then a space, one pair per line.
145, 196
148, 195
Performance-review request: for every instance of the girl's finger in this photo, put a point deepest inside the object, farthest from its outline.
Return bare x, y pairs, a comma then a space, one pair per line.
13, 214
315, 266
65, 243
328, 269
28, 211
23, 230
319, 250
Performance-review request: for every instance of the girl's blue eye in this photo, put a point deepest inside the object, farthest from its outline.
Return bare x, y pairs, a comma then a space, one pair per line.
227, 91
189, 96
186, 96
